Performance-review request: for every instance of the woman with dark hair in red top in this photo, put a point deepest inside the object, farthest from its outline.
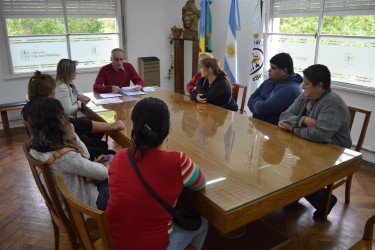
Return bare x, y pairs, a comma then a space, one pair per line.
136, 219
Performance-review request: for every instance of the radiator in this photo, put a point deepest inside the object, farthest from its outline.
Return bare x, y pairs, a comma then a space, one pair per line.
149, 70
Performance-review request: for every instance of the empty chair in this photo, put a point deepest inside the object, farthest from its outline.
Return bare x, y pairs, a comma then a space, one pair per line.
48, 191
348, 180
235, 91
78, 211
366, 120
367, 239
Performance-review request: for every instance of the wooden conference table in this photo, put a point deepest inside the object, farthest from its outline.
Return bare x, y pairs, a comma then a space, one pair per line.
252, 168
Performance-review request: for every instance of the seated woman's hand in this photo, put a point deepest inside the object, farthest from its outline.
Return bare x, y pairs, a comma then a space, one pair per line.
118, 125
201, 99
84, 99
285, 126
309, 122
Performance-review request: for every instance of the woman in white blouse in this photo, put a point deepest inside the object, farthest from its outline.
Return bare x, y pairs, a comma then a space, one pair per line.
71, 97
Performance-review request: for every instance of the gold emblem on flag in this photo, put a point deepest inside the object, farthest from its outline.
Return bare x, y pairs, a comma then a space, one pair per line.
231, 50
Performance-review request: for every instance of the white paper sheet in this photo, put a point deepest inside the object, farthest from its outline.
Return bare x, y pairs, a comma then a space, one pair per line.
148, 89
107, 101
135, 93
108, 95
132, 90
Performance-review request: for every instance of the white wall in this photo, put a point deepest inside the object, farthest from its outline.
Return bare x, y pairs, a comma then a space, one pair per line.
148, 24
147, 27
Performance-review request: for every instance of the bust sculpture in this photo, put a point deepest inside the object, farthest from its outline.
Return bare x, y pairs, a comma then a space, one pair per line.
190, 17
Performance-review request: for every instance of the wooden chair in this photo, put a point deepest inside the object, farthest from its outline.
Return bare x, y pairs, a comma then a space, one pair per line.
235, 90
366, 120
348, 180
76, 211
367, 239
27, 126
48, 191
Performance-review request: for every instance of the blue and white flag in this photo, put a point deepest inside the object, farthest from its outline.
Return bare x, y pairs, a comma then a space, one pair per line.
230, 62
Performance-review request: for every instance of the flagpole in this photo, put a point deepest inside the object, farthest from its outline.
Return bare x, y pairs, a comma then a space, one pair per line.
257, 58
205, 24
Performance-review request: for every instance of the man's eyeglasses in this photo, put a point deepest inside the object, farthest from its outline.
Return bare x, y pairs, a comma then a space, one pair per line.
118, 59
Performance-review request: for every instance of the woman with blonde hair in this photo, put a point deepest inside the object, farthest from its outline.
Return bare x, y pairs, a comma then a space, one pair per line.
214, 86
193, 82
69, 95
72, 99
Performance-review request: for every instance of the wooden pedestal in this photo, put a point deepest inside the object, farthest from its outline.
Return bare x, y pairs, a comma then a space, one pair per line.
179, 62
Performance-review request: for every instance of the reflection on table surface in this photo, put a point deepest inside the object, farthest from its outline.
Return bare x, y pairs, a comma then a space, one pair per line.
247, 163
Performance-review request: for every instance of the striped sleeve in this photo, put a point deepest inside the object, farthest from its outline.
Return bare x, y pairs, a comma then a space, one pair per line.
192, 176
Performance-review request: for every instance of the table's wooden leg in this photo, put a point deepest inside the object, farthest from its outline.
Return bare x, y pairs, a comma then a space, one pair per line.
235, 234
5, 121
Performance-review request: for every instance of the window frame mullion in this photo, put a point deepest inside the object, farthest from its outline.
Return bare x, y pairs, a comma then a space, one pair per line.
67, 34
319, 31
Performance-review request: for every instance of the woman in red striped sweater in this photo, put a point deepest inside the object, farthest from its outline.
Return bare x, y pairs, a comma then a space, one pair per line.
136, 219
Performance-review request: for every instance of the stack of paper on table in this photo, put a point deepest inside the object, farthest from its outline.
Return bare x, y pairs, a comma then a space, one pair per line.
132, 90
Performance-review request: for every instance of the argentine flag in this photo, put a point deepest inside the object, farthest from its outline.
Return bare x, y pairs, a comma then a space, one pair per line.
230, 62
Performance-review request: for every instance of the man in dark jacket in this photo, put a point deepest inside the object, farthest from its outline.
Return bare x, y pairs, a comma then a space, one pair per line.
278, 92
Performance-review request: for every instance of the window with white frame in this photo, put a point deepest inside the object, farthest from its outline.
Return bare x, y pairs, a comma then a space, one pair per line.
337, 33
40, 33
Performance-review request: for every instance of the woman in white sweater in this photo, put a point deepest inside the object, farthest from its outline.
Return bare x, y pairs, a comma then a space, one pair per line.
51, 131
69, 95
72, 98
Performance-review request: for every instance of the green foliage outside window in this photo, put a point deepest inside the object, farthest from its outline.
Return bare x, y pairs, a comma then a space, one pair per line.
332, 25
55, 26
35, 26
92, 25
299, 25
349, 25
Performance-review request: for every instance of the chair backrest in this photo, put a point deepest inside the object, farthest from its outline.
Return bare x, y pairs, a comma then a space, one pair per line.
51, 198
77, 211
367, 239
27, 126
367, 113
369, 229
235, 91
